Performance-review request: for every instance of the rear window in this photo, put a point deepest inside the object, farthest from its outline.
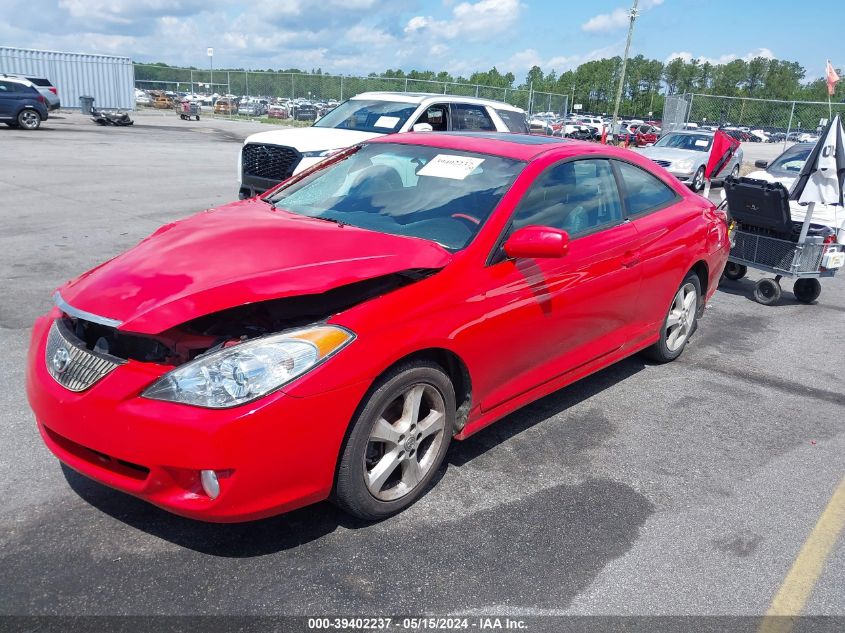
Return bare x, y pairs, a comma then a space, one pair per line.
515, 121
45, 83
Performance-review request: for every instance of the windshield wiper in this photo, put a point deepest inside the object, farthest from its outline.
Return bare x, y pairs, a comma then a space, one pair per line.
340, 223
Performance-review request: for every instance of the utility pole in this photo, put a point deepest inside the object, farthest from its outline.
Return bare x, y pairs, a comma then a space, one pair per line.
633, 16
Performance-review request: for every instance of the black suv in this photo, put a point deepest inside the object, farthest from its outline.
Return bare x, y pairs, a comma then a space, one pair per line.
21, 105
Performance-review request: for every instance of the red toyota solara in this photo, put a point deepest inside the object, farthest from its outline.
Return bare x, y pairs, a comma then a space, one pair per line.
330, 338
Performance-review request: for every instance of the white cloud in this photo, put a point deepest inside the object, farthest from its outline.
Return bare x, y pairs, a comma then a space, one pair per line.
616, 19
522, 61
722, 59
470, 20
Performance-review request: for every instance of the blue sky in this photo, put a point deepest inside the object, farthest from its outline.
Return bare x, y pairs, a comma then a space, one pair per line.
461, 36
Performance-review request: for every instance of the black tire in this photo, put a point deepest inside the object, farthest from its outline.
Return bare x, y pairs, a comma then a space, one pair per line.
352, 492
29, 119
735, 272
198, 117
697, 183
807, 290
767, 291
664, 350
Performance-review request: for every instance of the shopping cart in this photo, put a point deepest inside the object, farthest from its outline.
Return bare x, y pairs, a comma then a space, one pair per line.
764, 237
188, 109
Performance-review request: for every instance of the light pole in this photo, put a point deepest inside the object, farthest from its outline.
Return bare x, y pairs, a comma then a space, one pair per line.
211, 67
633, 16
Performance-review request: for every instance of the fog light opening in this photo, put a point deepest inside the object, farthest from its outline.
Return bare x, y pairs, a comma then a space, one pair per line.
210, 483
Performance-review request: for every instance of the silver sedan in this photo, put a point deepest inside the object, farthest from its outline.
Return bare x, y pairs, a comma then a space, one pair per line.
684, 155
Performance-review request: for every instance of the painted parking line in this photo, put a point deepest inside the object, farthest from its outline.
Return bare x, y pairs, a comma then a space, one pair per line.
802, 577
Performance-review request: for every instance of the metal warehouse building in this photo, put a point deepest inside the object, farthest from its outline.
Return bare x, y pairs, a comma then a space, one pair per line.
110, 80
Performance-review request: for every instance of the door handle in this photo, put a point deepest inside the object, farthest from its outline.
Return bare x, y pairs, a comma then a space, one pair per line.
630, 259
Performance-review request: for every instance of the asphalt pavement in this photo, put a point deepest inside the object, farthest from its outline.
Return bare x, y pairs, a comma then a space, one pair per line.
687, 488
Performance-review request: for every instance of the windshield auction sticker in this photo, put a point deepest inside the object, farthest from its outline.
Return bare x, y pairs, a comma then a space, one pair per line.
450, 166
388, 122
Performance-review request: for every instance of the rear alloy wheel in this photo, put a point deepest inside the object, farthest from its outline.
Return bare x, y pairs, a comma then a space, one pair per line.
767, 291
807, 289
698, 180
735, 272
29, 119
680, 322
397, 442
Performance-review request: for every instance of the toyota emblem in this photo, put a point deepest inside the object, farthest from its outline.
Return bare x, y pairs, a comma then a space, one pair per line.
61, 360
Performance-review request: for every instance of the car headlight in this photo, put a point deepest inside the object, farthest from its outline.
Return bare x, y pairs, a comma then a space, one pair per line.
323, 153
246, 371
684, 165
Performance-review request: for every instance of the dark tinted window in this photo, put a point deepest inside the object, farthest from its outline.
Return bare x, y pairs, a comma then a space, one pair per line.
13, 86
577, 196
40, 82
641, 190
515, 121
471, 117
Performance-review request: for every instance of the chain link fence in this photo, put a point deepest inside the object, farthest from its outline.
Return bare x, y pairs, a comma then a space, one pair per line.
272, 85
780, 121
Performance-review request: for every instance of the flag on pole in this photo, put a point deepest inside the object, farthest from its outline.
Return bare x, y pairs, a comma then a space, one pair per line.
823, 175
831, 77
723, 149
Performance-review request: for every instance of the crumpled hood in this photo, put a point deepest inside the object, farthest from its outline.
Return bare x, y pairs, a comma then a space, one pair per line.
237, 254
312, 139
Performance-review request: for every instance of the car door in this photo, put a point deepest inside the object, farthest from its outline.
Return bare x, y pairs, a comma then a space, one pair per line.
554, 315
667, 227
436, 115
8, 99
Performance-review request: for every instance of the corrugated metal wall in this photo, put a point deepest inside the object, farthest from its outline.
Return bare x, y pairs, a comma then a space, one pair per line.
110, 80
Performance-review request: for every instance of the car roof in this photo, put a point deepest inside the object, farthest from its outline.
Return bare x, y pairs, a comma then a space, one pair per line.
504, 144
17, 78
420, 97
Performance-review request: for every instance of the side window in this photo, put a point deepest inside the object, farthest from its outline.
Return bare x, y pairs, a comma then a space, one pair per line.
7, 87
577, 196
471, 117
642, 191
437, 116
517, 122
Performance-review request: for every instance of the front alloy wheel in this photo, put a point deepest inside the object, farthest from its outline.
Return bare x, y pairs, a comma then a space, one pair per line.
397, 441
698, 180
404, 442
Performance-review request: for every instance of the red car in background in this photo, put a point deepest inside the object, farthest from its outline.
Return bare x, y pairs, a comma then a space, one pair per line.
331, 337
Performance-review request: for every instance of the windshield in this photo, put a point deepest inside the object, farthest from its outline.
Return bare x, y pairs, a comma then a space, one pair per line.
440, 195
695, 142
368, 115
791, 161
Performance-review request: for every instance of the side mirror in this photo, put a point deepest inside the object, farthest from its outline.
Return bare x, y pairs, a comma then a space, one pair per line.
762, 164
537, 242
422, 127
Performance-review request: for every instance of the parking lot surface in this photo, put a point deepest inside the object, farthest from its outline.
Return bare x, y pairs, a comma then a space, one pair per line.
686, 488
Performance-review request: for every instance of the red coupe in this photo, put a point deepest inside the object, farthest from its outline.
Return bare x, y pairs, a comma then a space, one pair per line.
331, 337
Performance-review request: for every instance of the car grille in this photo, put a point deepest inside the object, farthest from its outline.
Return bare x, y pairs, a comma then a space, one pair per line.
274, 162
663, 163
73, 366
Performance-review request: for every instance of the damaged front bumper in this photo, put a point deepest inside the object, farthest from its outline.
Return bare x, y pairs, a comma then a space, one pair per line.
273, 455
